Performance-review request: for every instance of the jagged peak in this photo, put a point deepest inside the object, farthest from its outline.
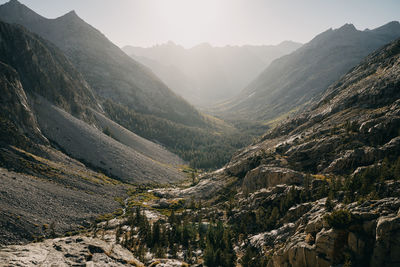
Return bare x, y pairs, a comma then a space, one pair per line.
70, 15
17, 11
347, 27
14, 2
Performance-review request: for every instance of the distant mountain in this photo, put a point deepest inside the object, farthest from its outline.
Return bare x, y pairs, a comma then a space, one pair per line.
109, 71
295, 79
205, 74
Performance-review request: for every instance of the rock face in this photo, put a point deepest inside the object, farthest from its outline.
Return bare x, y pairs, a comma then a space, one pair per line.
387, 246
18, 122
374, 242
264, 176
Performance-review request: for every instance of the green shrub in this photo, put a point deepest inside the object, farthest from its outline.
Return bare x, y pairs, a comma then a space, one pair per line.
339, 219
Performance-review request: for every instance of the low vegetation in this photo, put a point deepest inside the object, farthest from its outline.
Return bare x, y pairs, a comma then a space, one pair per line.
205, 147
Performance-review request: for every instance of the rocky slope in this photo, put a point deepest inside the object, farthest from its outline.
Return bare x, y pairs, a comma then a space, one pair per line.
105, 153
295, 79
47, 111
110, 72
195, 73
49, 79
322, 188
129, 92
18, 123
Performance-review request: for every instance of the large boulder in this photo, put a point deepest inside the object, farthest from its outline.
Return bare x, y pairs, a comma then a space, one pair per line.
266, 176
387, 245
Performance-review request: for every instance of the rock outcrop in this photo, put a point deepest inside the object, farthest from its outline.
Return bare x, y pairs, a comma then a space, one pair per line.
370, 240
264, 177
68, 251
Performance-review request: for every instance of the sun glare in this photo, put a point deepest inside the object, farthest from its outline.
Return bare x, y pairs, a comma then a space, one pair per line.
190, 18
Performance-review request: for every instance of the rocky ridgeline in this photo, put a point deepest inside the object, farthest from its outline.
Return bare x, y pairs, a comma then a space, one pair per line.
348, 137
355, 124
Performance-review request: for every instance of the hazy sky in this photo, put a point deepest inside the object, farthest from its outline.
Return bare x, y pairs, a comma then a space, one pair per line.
219, 22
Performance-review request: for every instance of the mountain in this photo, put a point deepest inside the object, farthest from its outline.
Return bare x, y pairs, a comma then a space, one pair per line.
293, 80
57, 145
55, 88
321, 188
108, 70
205, 74
132, 95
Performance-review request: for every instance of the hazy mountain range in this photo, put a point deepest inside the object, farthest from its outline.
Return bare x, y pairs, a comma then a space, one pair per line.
205, 75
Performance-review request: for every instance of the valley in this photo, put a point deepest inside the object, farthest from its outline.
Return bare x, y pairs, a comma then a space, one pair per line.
156, 157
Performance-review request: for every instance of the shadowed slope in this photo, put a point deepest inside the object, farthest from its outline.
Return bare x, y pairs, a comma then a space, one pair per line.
110, 72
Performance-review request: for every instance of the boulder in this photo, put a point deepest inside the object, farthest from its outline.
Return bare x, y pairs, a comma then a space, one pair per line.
266, 176
387, 246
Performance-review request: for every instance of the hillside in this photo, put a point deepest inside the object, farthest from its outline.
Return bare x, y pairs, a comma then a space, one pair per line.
108, 70
293, 80
204, 74
320, 189
49, 189
131, 94
53, 145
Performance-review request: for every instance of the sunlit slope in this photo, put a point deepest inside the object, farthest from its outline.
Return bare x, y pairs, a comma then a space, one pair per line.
295, 79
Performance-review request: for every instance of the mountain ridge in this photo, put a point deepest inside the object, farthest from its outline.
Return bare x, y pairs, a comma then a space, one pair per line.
292, 80
206, 74
85, 47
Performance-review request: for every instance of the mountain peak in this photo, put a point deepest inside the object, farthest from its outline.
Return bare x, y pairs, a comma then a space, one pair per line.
392, 27
15, 12
347, 27
70, 15
14, 2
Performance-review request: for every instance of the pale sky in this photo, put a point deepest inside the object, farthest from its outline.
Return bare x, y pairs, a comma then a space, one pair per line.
219, 22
